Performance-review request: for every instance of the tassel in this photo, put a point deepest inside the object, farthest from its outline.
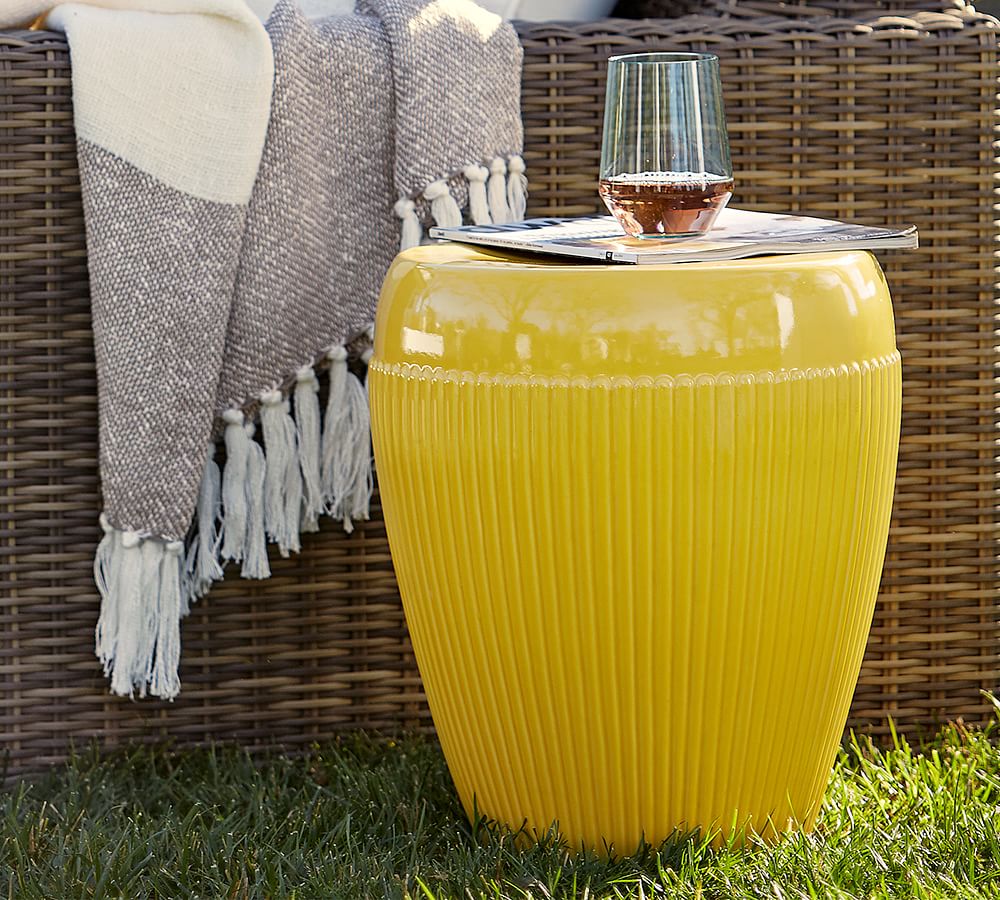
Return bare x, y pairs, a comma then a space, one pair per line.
132, 616
307, 428
346, 467
498, 192
479, 210
517, 189
331, 481
151, 553
202, 567
282, 479
105, 576
234, 503
255, 561
444, 209
293, 487
138, 632
123, 619
164, 680
412, 233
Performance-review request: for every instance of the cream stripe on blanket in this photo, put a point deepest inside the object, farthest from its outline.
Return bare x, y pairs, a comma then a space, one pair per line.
244, 192
179, 88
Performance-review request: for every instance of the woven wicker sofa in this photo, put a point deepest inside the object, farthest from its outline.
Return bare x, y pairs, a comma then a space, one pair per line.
880, 118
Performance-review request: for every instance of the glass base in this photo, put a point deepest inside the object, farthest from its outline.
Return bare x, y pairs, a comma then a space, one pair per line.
657, 236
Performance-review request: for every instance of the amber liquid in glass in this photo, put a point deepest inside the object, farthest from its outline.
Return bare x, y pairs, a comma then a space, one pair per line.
666, 204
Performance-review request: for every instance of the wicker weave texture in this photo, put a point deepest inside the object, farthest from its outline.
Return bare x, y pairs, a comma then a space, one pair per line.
862, 10
889, 122
836, 119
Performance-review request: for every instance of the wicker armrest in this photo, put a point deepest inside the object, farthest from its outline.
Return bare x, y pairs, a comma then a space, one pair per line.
861, 10
884, 121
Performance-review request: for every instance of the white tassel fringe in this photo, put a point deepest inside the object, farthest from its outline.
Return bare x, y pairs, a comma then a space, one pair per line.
444, 209
282, 479
517, 189
479, 210
497, 195
307, 426
106, 561
234, 502
412, 233
346, 468
138, 632
202, 567
164, 680
255, 562
147, 584
497, 191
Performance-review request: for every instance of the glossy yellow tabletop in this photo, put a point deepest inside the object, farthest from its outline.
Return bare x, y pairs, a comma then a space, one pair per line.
638, 517
470, 310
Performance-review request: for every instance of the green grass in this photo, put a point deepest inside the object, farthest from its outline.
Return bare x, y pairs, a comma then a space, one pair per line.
368, 818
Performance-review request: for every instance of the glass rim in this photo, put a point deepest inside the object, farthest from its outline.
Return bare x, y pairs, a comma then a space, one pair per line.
665, 58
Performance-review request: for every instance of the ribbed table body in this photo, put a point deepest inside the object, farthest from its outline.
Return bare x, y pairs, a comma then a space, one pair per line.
639, 597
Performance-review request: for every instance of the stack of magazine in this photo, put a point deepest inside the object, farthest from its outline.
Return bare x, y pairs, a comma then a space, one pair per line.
737, 233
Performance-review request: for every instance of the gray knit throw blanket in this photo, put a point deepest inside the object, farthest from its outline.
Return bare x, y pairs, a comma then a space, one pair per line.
219, 300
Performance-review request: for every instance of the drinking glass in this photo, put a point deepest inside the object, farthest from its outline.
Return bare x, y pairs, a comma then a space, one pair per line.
665, 166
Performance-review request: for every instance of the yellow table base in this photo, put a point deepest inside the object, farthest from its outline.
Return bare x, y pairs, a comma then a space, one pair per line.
638, 518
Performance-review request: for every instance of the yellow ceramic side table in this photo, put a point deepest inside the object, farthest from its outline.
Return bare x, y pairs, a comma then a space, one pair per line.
638, 517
